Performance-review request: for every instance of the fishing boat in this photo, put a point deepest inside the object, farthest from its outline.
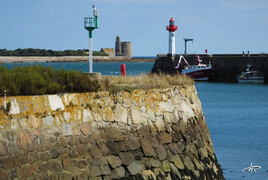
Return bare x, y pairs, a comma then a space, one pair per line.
198, 71
250, 76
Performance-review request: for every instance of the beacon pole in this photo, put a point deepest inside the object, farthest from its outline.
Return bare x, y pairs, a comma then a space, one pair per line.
91, 23
90, 53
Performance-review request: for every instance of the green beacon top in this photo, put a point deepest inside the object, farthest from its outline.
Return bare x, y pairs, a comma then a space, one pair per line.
91, 23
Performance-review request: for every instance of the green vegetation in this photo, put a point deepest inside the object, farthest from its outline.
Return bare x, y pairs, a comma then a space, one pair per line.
98, 53
6, 109
44, 52
39, 80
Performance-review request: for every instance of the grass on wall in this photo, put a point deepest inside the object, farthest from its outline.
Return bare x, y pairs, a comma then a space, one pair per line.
39, 80
153, 81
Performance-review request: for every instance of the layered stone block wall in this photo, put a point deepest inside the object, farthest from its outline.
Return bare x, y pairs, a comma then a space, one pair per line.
145, 134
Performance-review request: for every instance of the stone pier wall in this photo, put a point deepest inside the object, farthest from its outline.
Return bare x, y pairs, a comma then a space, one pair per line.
145, 134
225, 67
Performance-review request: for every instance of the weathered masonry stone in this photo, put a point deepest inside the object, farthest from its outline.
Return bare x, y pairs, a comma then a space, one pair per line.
133, 142
27, 142
55, 102
135, 167
114, 133
148, 149
114, 161
3, 149
145, 134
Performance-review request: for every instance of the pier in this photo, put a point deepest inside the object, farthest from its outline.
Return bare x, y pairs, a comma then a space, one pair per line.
225, 66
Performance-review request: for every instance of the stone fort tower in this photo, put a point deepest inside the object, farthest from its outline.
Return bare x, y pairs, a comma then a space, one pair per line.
123, 48
118, 46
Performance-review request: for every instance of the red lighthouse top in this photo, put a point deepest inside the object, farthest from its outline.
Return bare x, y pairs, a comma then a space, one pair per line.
172, 27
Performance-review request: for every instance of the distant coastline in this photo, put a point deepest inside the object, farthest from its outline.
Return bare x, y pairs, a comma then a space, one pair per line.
33, 59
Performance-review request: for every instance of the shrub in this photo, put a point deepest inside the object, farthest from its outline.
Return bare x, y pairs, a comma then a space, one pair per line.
8, 108
38, 80
44, 52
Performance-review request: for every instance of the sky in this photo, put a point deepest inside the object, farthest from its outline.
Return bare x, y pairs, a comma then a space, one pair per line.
220, 26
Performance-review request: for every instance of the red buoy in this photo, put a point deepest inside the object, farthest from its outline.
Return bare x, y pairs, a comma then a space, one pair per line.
123, 70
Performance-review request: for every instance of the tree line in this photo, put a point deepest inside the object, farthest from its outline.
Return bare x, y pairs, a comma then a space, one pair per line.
44, 52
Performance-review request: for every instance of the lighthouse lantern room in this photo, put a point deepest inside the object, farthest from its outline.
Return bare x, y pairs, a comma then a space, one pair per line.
171, 28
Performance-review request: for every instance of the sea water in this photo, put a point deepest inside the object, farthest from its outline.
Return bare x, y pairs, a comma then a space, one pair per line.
236, 115
237, 118
106, 69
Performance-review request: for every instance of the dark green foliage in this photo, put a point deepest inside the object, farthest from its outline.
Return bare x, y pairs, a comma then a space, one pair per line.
98, 53
44, 52
8, 108
38, 80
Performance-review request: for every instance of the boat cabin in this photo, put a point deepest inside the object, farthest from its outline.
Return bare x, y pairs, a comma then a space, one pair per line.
250, 74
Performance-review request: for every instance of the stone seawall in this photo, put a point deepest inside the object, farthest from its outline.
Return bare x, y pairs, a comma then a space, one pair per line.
225, 67
145, 134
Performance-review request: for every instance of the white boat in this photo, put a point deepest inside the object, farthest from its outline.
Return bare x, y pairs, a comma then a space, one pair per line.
199, 72
250, 77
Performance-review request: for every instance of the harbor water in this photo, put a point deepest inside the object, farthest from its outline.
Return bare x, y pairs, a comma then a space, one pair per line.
237, 118
106, 69
236, 114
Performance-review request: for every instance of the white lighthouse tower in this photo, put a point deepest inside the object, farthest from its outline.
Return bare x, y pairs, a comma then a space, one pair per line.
171, 28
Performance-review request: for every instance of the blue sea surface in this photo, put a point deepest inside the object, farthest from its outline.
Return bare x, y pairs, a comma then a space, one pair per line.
236, 114
237, 118
106, 69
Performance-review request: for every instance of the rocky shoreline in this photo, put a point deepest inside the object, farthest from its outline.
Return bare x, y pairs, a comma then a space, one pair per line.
80, 59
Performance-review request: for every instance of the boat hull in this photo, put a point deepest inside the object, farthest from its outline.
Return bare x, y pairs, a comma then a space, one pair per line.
259, 80
198, 74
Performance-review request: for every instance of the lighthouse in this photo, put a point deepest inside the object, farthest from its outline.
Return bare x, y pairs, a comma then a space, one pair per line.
171, 41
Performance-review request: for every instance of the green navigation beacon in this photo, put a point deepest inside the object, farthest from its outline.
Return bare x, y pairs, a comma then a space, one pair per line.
90, 24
